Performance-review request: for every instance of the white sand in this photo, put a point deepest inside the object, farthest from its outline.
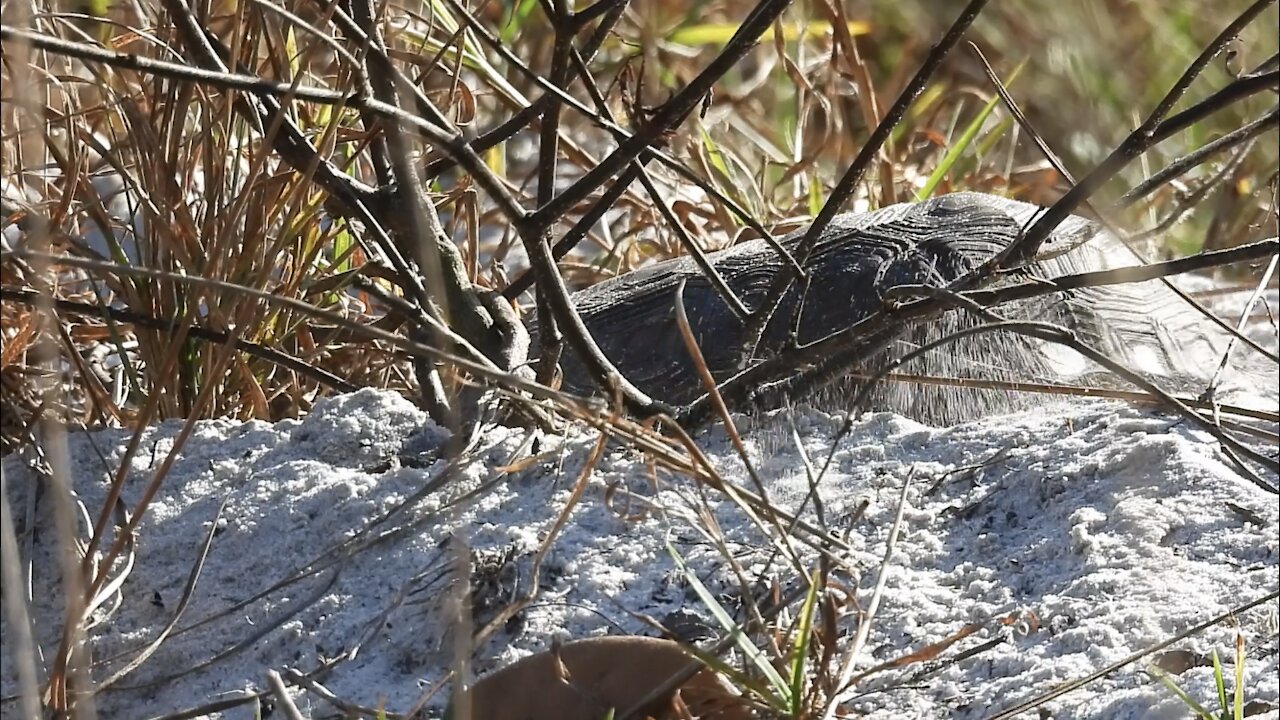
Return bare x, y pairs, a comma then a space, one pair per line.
1116, 527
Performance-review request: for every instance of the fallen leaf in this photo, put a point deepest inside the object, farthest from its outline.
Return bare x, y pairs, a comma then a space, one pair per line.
586, 679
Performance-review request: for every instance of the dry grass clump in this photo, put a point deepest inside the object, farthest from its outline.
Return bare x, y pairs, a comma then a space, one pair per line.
165, 174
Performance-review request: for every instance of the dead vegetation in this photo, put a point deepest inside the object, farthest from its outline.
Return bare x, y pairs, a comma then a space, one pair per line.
233, 209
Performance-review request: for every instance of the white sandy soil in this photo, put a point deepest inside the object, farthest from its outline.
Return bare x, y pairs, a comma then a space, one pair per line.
1114, 527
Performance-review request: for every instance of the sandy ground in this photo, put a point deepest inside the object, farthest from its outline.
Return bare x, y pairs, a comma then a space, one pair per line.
1114, 528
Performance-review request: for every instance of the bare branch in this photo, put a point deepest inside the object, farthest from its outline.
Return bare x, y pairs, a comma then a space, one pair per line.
1154, 129
667, 116
1187, 162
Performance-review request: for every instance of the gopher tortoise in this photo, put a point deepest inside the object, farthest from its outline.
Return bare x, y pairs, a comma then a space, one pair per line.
1144, 325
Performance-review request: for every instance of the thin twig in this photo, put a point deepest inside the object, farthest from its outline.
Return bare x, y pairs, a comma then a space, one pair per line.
119, 315
637, 168
1154, 129
1061, 336
668, 115
709, 382
1128, 274
188, 591
1067, 687
882, 578
1184, 164
1185, 202
1128, 242
527, 115
285, 703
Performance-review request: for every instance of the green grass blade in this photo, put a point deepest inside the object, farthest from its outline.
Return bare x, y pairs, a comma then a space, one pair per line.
1197, 708
714, 156
816, 196
719, 33
1237, 705
800, 657
520, 11
1219, 682
748, 648
958, 149
990, 139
